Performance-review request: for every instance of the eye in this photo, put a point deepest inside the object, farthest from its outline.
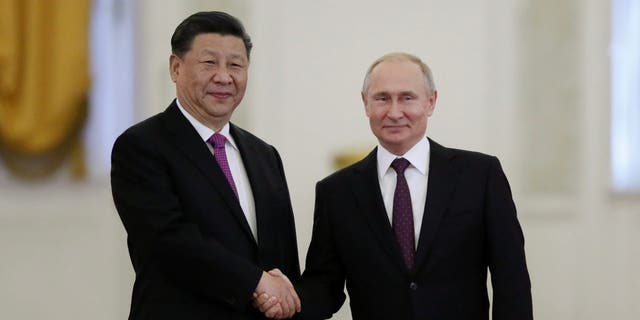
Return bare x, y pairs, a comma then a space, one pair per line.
236, 64
407, 98
380, 98
211, 62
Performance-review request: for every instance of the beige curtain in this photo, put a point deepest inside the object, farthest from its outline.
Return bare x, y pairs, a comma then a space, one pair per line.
43, 82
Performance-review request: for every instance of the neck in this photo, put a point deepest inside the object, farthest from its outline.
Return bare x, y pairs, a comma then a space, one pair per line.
211, 122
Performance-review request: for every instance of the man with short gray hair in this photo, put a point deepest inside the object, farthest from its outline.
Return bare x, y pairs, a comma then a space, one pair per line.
414, 227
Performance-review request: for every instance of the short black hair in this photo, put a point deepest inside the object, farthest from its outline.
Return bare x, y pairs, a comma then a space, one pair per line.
207, 22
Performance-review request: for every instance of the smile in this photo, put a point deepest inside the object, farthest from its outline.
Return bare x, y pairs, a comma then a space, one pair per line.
220, 95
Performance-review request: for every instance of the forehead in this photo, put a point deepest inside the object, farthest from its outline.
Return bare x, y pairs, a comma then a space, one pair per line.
215, 43
396, 75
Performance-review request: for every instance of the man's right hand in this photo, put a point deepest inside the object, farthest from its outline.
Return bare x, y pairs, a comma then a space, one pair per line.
275, 284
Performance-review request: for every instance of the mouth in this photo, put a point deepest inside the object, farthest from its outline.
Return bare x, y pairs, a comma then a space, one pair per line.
220, 95
395, 126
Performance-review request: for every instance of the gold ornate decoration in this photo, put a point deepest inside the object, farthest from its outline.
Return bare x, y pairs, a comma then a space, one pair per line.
44, 80
349, 157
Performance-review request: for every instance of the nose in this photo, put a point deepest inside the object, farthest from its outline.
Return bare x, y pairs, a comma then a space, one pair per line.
222, 76
395, 110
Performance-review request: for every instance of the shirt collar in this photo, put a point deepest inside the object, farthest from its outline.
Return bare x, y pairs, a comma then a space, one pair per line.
203, 131
418, 156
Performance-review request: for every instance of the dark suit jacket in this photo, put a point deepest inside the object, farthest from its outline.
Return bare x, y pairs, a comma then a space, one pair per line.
469, 226
190, 245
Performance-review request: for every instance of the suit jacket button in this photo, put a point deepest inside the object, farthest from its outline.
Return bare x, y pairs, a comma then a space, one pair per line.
413, 286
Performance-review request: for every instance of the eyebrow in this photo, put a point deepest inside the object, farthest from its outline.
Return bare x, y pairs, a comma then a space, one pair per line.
216, 53
401, 93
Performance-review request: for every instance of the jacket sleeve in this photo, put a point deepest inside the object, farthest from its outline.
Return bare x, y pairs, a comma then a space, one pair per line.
505, 254
161, 239
321, 289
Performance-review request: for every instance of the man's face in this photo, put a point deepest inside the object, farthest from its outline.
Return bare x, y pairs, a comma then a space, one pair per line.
211, 77
398, 105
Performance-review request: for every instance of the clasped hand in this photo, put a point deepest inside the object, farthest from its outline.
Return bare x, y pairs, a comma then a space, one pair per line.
275, 296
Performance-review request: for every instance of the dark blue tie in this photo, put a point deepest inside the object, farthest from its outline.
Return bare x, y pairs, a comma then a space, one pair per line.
403, 214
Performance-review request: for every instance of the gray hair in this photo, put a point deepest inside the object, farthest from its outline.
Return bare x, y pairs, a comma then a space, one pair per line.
402, 56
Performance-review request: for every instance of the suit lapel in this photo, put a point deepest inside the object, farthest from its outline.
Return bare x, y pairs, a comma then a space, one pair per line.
440, 188
366, 187
186, 138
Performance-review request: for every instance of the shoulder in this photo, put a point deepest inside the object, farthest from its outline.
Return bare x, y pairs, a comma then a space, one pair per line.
152, 131
466, 165
252, 146
461, 157
141, 132
251, 143
247, 137
170, 117
366, 167
146, 126
137, 148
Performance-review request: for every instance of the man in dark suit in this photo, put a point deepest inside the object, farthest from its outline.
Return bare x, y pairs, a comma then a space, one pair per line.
205, 203
414, 226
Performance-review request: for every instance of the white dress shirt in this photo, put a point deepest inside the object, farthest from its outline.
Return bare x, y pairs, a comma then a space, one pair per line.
238, 171
417, 175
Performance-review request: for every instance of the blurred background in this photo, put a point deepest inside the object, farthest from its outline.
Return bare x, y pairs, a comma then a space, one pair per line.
551, 87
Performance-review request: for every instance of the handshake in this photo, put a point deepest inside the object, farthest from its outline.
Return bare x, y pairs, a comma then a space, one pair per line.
275, 296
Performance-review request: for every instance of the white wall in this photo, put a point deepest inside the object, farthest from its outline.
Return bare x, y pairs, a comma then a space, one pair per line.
62, 246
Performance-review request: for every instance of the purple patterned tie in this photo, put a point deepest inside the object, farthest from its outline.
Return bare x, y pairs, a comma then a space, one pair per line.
403, 214
218, 141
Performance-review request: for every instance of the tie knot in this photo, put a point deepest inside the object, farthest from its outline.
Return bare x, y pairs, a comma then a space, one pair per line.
217, 140
400, 164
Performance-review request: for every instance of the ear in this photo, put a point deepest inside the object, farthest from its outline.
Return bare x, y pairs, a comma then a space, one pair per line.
174, 67
364, 102
431, 101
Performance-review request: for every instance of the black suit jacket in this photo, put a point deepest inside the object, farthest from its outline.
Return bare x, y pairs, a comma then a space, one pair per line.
469, 226
190, 245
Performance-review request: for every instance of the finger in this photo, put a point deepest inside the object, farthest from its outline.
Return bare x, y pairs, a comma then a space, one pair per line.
259, 300
285, 305
276, 272
269, 304
263, 298
274, 312
292, 306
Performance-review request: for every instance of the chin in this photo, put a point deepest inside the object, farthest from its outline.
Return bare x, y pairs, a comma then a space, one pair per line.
396, 139
220, 109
